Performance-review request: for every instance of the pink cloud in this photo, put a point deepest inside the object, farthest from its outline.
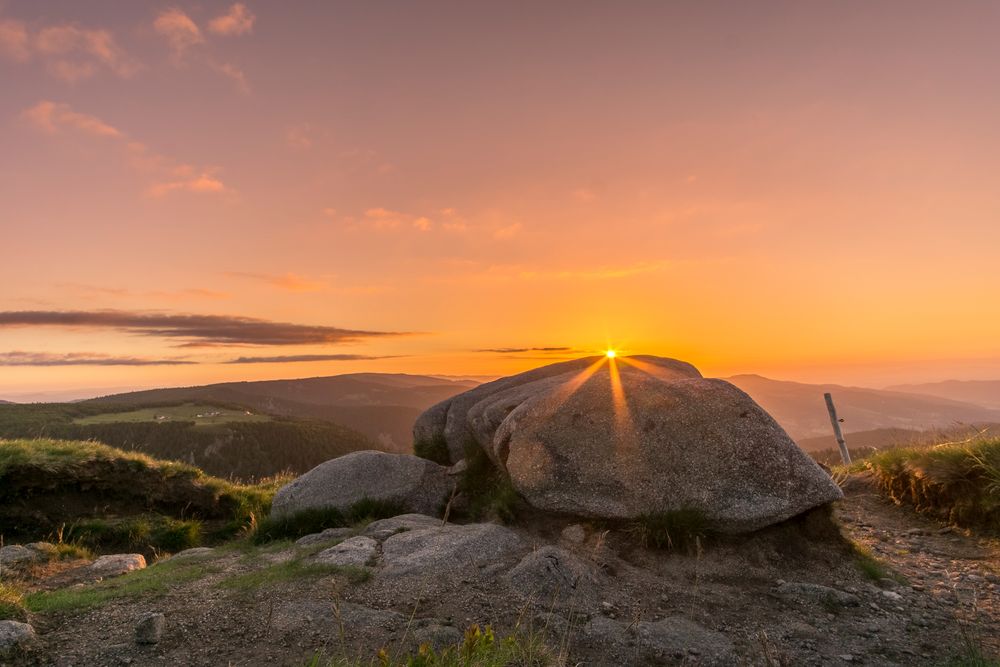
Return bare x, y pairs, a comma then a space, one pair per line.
238, 21
235, 74
51, 117
180, 31
203, 183
14, 40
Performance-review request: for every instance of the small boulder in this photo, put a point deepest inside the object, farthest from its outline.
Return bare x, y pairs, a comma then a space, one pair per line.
575, 534
549, 573
195, 552
117, 564
149, 629
15, 554
417, 484
435, 634
356, 551
14, 636
447, 548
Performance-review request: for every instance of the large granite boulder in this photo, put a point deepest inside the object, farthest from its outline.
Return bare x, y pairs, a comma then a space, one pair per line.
419, 485
620, 438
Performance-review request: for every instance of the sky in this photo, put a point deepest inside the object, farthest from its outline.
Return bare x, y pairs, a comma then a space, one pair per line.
195, 192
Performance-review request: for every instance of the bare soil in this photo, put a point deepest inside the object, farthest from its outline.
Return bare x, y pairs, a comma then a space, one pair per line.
951, 600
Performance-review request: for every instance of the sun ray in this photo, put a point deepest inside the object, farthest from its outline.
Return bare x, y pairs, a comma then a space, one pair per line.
624, 427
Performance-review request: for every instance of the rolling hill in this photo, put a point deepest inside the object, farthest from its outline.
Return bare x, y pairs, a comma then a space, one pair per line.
800, 409
382, 406
981, 392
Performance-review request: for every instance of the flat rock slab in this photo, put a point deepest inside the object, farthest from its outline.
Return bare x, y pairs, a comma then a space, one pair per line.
196, 552
815, 594
14, 636
447, 548
417, 484
403, 522
357, 551
328, 535
116, 565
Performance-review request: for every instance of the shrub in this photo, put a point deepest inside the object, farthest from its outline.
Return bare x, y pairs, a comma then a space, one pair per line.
956, 482
435, 449
176, 535
682, 528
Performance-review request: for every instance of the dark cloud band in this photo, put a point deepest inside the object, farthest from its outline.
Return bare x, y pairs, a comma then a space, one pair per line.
303, 357
514, 350
81, 359
192, 330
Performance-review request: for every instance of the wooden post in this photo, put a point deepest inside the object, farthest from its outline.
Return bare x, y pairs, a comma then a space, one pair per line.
844, 454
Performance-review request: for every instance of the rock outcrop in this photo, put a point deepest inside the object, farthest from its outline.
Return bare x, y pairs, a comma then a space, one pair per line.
417, 484
617, 439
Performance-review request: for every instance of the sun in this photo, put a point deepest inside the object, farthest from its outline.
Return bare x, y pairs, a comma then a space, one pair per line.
610, 354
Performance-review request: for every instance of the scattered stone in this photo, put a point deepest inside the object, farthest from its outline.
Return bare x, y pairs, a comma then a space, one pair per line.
149, 629
417, 484
892, 595
117, 564
328, 535
447, 548
356, 551
847, 657
14, 636
549, 573
676, 635
575, 534
815, 593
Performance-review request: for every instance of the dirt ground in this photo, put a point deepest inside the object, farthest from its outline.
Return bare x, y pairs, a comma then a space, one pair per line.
739, 591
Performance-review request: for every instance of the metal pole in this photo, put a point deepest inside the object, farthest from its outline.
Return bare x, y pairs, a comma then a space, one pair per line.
844, 454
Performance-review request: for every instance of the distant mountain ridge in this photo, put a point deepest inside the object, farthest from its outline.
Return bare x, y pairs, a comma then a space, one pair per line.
800, 408
382, 406
980, 392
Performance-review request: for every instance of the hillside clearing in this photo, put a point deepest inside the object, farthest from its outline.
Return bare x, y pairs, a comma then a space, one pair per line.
199, 414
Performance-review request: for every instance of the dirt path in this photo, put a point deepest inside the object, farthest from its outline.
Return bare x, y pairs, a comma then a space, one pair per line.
956, 571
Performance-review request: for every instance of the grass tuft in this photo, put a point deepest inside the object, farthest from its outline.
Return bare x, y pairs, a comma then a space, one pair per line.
11, 604
680, 529
490, 493
435, 449
316, 520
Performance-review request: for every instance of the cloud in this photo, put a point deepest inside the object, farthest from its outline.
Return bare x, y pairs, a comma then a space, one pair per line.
296, 358
19, 358
512, 350
167, 175
584, 195
510, 231
288, 281
191, 330
179, 30
70, 53
202, 183
235, 74
299, 137
51, 117
238, 21
14, 40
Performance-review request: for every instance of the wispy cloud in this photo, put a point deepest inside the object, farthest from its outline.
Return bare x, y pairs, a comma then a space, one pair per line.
180, 31
237, 21
69, 52
95, 291
191, 330
296, 358
234, 74
20, 358
52, 117
508, 232
167, 174
289, 281
513, 350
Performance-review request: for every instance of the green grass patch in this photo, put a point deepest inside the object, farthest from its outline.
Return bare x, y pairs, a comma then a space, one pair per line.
196, 413
144, 533
959, 483
872, 566
480, 648
435, 449
490, 493
680, 529
152, 581
292, 570
11, 604
316, 520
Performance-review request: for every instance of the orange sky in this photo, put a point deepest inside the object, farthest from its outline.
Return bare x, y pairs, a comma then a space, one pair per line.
803, 190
